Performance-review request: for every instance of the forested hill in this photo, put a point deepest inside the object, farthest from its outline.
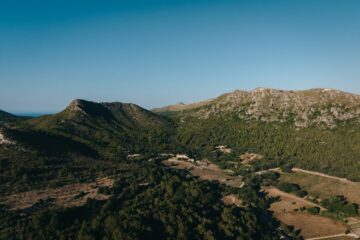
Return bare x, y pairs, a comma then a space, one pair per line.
314, 107
6, 117
110, 128
71, 152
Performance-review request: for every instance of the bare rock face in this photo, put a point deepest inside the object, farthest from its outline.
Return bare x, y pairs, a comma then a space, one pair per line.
323, 107
6, 141
76, 106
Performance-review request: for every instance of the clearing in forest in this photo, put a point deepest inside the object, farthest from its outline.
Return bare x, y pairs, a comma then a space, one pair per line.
206, 171
323, 186
286, 210
66, 196
247, 158
312, 226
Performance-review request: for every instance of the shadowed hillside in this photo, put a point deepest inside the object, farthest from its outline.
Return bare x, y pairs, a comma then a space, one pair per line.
110, 128
6, 117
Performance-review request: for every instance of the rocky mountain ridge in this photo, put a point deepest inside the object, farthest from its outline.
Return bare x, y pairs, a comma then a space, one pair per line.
314, 107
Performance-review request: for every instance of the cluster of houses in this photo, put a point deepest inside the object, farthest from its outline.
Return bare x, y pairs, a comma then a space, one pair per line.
185, 157
222, 149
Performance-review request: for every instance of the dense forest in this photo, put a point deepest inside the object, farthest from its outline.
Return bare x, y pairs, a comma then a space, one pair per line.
333, 151
150, 201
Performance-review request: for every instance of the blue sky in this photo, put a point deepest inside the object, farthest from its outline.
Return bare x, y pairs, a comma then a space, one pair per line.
155, 53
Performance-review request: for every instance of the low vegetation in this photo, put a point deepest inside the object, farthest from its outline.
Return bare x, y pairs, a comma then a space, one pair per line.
340, 206
291, 188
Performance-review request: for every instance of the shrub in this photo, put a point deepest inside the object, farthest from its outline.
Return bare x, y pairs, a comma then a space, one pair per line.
314, 210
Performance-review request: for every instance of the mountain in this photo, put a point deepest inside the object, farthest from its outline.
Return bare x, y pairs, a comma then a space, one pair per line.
316, 129
320, 107
181, 106
112, 126
6, 117
54, 160
119, 115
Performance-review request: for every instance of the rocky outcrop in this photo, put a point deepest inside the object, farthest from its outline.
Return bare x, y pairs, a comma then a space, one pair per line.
5, 140
323, 107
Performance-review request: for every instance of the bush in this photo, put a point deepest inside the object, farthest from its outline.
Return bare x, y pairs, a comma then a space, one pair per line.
80, 195
287, 167
292, 188
314, 210
339, 204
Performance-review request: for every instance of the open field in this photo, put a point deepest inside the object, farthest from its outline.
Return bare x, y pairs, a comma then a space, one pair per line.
232, 200
65, 196
334, 238
321, 175
354, 225
339, 238
209, 171
323, 186
310, 225
288, 202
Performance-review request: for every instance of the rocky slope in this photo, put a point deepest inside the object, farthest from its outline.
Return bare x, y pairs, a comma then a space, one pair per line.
4, 139
320, 107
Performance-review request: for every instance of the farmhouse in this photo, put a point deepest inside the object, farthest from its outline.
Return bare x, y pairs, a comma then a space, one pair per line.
222, 149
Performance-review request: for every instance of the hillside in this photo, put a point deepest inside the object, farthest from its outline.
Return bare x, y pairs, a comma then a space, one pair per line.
315, 129
6, 117
108, 127
314, 107
68, 153
54, 163
74, 144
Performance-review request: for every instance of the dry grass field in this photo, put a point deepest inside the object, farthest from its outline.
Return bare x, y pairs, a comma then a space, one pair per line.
210, 172
65, 196
288, 202
339, 238
323, 186
310, 225
232, 200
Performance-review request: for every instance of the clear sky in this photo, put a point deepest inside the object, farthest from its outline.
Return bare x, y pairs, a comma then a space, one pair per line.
155, 53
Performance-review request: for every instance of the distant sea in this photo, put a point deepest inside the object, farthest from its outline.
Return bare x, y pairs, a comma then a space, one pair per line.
32, 114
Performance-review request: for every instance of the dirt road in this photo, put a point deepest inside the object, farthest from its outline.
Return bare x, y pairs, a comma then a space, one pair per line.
344, 180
